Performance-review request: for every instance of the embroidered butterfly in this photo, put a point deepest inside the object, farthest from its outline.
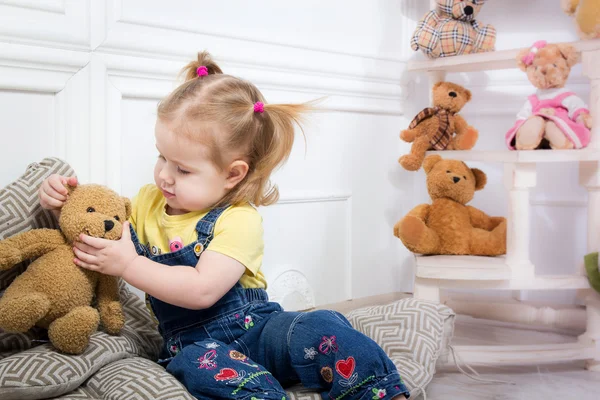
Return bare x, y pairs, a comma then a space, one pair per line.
328, 344
207, 361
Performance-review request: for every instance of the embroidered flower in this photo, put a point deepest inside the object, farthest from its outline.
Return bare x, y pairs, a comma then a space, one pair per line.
212, 345
310, 353
248, 323
379, 393
174, 349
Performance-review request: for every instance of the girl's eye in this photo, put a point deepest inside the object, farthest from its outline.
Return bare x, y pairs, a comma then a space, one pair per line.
182, 172
91, 209
117, 218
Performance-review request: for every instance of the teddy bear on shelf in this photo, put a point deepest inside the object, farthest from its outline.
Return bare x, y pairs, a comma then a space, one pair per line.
439, 127
451, 30
54, 293
553, 117
448, 225
587, 16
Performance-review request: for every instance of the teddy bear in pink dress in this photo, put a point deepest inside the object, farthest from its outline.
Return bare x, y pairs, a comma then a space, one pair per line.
554, 116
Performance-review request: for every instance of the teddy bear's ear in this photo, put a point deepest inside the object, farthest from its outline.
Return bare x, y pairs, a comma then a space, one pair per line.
569, 53
569, 6
127, 207
468, 94
522, 66
430, 162
480, 178
437, 85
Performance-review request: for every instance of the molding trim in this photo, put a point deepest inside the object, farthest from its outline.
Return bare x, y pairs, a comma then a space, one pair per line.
314, 198
152, 78
566, 203
38, 69
55, 7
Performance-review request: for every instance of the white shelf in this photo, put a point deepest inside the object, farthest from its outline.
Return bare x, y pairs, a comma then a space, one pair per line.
489, 273
523, 156
493, 60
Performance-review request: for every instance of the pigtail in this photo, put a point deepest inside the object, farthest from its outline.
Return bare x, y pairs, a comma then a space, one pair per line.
204, 65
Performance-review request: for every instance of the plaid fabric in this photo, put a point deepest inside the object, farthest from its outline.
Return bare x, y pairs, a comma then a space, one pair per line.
442, 137
439, 34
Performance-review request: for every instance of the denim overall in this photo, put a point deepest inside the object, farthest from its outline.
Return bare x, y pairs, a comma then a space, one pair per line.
245, 347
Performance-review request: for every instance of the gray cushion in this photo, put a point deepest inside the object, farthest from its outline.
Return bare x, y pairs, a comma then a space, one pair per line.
414, 333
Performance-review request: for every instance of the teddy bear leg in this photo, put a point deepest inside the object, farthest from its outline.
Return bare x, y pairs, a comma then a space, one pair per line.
556, 138
413, 161
416, 236
530, 134
466, 140
488, 243
71, 332
20, 313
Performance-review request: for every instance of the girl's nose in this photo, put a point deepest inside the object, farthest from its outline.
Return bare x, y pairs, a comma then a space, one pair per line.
165, 176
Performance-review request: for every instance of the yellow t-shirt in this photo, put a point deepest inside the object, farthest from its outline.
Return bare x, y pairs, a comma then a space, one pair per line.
238, 232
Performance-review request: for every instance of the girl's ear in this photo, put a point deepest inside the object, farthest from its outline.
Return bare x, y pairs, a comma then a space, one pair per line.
236, 173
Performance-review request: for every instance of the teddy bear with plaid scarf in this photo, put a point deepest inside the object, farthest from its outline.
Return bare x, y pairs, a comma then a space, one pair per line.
451, 30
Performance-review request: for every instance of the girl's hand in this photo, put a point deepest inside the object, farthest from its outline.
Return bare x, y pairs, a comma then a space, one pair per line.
53, 192
109, 257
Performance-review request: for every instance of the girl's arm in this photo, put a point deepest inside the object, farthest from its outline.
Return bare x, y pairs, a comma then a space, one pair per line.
193, 288
183, 286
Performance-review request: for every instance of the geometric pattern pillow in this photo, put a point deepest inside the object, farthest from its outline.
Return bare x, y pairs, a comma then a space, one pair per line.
42, 372
131, 379
413, 333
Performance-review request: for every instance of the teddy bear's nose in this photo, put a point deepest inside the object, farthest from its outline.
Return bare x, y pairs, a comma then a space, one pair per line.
108, 225
469, 10
452, 94
456, 179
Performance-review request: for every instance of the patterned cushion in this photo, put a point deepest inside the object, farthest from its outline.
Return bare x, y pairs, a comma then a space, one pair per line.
414, 333
40, 372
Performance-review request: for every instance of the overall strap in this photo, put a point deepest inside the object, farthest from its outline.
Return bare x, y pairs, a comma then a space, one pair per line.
206, 226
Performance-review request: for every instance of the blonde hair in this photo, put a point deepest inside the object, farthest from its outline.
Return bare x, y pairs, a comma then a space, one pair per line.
264, 138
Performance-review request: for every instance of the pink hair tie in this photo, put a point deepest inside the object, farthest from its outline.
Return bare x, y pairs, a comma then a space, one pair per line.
202, 71
259, 107
537, 46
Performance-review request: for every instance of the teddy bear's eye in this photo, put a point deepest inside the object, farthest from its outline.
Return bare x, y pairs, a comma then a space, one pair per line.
448, 171
117, 218
91, 209
465, 177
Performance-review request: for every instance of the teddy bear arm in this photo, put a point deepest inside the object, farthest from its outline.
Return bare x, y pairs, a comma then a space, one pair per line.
423, 38
421, 211
466, 136
109, 306
485, 37
30, 244
479, 219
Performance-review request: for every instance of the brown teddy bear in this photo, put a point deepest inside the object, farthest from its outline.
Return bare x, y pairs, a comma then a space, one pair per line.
439, 128
587, 16
451, 30
553, 117
53, 292
448, 225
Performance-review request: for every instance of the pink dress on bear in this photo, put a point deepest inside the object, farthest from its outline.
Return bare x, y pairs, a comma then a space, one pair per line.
559, 106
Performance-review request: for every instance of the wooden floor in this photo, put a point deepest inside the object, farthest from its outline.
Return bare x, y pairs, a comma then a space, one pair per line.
546, 381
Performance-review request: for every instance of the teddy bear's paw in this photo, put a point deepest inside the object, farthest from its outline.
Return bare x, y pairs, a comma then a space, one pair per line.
410, 162
71, 333
467, 140
112, 317
410, 230
19, 314
408, 135
9, 256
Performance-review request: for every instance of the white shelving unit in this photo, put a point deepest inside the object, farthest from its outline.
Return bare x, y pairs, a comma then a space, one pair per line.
515, 271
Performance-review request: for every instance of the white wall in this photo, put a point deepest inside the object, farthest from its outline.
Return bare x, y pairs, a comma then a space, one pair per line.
80, 79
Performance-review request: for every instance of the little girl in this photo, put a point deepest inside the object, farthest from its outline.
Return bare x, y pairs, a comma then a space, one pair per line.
195, 246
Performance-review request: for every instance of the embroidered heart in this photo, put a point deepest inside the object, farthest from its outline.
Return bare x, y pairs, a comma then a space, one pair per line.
345, 367
226, 374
